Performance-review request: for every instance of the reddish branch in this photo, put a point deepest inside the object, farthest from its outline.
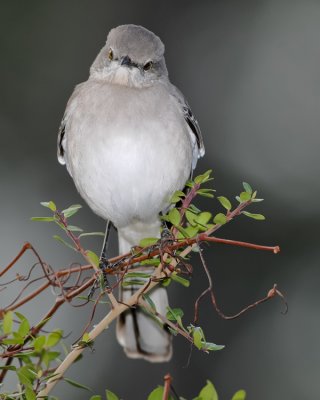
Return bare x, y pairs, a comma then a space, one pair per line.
120, 266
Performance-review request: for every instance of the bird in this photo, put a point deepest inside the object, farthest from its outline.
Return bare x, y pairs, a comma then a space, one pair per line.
129, 140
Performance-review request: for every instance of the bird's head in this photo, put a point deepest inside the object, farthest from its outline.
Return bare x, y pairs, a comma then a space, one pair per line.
133, 56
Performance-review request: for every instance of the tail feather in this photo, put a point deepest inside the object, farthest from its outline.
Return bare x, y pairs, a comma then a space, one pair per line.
139, 334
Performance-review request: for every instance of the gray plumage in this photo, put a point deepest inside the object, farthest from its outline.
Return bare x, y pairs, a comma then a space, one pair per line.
129, 140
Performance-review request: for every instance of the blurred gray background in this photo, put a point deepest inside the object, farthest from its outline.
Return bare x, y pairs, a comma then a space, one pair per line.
250, 70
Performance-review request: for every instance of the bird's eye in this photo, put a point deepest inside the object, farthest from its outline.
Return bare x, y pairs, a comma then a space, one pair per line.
110, 55
148, 66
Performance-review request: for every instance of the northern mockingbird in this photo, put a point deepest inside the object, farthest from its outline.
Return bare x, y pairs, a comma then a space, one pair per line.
129, 141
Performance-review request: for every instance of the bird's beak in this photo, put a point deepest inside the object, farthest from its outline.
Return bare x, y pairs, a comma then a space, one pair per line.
128, 62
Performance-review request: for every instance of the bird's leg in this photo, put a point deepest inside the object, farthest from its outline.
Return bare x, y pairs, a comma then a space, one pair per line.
103, 264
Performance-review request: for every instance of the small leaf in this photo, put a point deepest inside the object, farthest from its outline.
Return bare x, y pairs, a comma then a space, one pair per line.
247, 187
184, 282
203, 178
50, 205
132, 282
212, 346
174, 216
166, 282
43, 219
220, 219
151, 261
259, 217
225, 202
245, 196
146, 242
24, 328
30, 394
156, 394
86, 338
7, 322
68, 212
39, 342
197, 337
96, 397
137, 274
148, 299
174, 314
77, 384
208, 392
257, 200
191, 216
93, 258
176, 197
53, 338
59, 239
73, 228
111, 396
92, 234
203, 218
49, 356
239, 395
205, 193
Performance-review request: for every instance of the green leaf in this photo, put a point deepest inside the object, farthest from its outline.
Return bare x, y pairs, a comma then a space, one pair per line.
77, 384
96, 397
73, 228
245, 196
151, 261
174, 216
43, 219
148, 299
39, 342
203, 218
212, 346
132, 282
174, 314
257, 200
191, 216
184, 282
53, 338
20, 316
247, 187
24, 328
137, 274
59, 239
197, 337
208, 392
156, 394
206, 193
92, 234
93, 258
7, 322
111, 396
86, 338
49, 356
190, 231
194, 209
8, 367
259, 217
225, 202
239, 395
146, 242
176, 197
220, 219
166, 282
30, 394
50, 205
203, 178
68, 212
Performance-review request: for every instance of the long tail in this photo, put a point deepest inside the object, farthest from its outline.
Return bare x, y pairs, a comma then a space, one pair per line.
140, 335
